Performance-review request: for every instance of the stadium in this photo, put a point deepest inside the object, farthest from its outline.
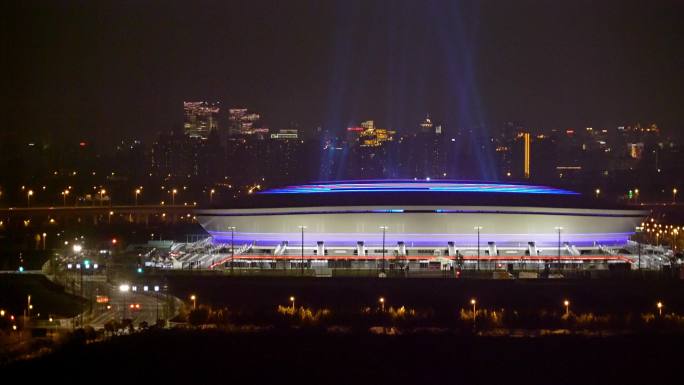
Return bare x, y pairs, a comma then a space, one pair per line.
416, 225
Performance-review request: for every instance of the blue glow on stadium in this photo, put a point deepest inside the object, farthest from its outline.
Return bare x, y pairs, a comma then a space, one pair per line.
418, 186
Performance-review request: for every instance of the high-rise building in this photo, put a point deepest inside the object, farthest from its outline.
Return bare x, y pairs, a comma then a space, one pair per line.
526, 167
200, 119
372, 136
242, 121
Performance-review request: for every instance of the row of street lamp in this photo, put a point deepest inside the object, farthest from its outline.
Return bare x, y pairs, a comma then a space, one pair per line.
136, 192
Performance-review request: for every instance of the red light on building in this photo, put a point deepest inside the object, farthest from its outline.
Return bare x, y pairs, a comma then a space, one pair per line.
355, 129
83, 144
570, 132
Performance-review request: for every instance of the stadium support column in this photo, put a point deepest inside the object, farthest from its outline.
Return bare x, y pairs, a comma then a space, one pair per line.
302, 261
559, 229
384, 230
232, 247
478, 228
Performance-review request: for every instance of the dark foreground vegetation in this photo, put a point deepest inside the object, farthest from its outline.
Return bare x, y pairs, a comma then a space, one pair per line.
310, 356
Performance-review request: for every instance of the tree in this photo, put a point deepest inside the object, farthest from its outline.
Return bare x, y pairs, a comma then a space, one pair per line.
198, 316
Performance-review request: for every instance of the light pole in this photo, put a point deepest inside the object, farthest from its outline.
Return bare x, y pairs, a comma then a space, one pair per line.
29, 193
194, 301
566, 303
674, 195
64, 196
384, 231
211, 196
478, 228
473, 302
173, 196
123, 289
44, 240
659, 305
598, 192
292, 299
559, 229
636, 195
232, 247
156, 300
137, 192
639, 229
302, 262
382, 304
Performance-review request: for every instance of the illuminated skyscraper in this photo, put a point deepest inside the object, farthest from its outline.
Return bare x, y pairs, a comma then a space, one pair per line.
526, 167
200, 118
242, 121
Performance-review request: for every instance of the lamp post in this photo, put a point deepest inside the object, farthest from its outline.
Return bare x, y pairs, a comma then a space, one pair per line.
384, 231
382, 304
302, 262
194, 301
597, 192
659, 305
636, 195
156, 300
102, 193
173, 196
137, 192
559, 229
64, 196
292, 300
232, 247
638, 230
674, 195
566, 303
478, 228
473, 302
123, 289
29, 193
211, 196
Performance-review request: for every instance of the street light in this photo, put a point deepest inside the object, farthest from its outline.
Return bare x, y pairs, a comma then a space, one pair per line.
473, 302
384, 231
211, 196
382, 303
302, 228
598, 192
29, 193
156, 299
124, 288
232, 247
137, 192
638, 230
102, 193
173, 196
478, 228
659, 305
674, 195
292, 299
64, 196
566, 303
194, 301
559, 229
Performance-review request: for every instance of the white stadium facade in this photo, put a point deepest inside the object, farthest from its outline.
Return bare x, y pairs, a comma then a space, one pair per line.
417, 225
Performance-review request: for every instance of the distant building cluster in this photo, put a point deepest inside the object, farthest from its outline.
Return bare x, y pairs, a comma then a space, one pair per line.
217, 147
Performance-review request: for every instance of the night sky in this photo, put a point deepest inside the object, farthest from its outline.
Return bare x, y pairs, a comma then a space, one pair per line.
121, 69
